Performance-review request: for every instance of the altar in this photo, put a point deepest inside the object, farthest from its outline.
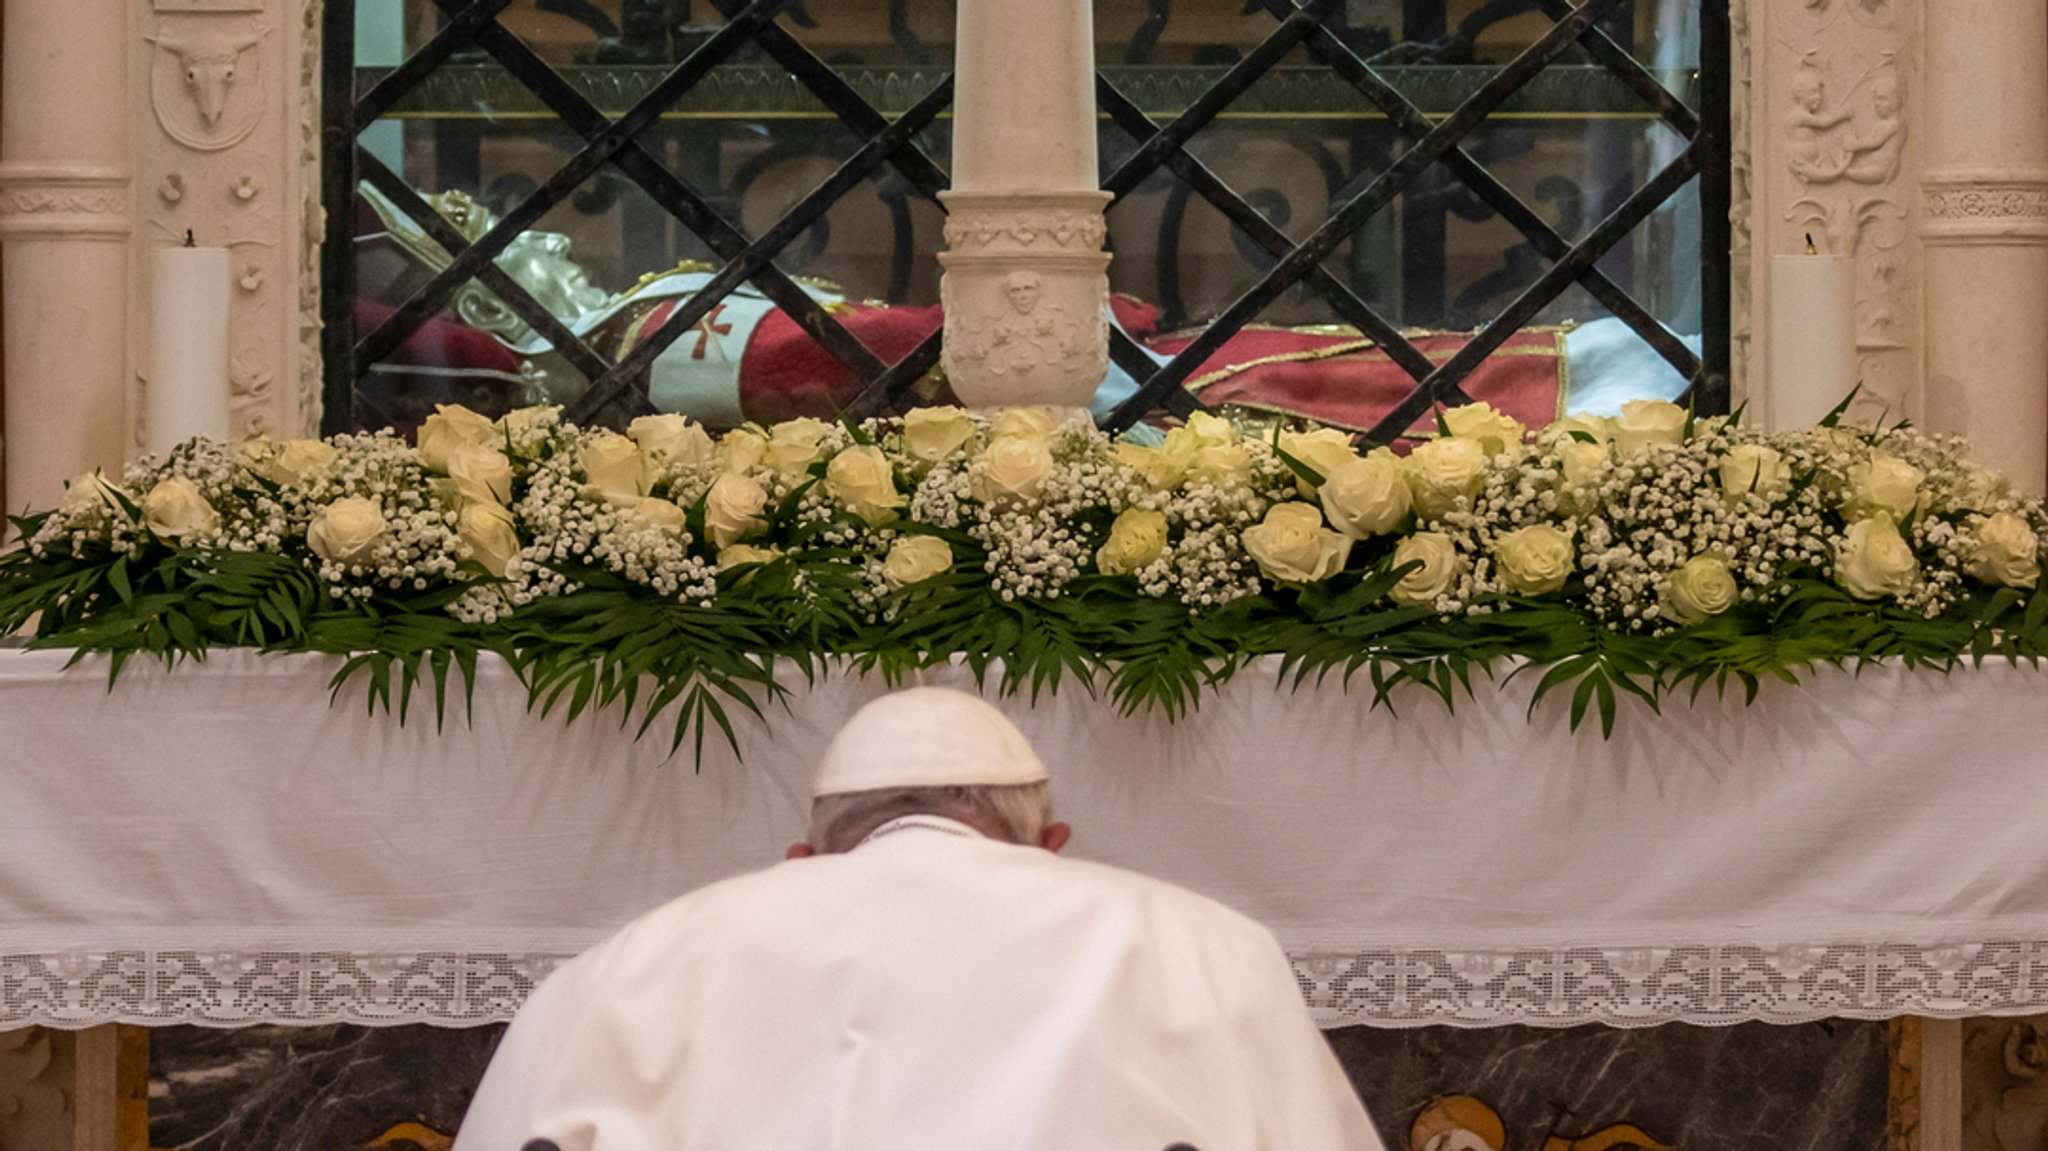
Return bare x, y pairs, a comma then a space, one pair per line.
219, 847
234, 912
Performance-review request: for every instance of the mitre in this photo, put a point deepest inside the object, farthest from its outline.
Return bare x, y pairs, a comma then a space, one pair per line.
927, 737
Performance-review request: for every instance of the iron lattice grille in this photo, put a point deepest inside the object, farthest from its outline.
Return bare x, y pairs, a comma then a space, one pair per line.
613, 143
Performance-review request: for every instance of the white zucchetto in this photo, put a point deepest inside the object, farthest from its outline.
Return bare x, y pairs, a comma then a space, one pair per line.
927, 737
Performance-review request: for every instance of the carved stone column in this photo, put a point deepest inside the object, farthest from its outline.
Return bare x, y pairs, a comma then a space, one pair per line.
1984, 224
224, 99
64, 217
1827, 145
1026, 287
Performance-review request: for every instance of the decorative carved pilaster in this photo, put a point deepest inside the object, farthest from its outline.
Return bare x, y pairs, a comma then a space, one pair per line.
64, 201
1830, 153
220, 110
1997, 207
1025, 289
35, 1110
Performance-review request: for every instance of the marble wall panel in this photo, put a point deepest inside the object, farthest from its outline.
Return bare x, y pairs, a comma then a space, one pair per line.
1815, 1087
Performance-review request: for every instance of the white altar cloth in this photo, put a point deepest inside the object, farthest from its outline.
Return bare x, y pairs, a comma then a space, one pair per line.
220, 846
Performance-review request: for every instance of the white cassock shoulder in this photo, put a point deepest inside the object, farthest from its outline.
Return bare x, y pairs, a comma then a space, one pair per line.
931, 991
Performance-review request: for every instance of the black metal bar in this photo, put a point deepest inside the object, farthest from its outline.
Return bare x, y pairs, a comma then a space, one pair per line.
889, 390
1616, 59
1711, 387
678, 198
1332, 51
1212, 188
840, 98
1347, 219
568, 343
1538, 295
1242, 75
337, 200
762, 252
453, 36
432, 296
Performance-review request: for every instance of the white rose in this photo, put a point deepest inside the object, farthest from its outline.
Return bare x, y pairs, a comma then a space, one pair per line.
1440, 471
1160, 469
481, 475
1646, 423
524, 429
1012, 470
1222, 466
2008, 552
1365, 496
347, 530
1210, 431
673, 441
452, 426
864, 482
1981, 489
1291, 544
91, 490
915, 559
1874, 560
1322, 451
485, 534
794, 445
1025, 423
934, 434
1441, 567
659, 513
1582, 464
174, 509
614, 465
1136, 538
1703, 587
1493, 431
1883, 484
287, 463
732, 509
1754, 468
741, 450
737, 554
1535, 560
1579, 429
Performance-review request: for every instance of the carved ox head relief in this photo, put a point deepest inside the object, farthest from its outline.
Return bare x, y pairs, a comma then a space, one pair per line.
209, 68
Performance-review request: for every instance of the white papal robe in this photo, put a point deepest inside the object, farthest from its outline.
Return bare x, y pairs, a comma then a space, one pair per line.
931, 990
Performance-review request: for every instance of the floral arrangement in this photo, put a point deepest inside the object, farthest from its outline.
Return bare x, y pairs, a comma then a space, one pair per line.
666, 571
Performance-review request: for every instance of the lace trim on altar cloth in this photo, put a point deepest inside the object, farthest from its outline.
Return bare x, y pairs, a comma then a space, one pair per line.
1714, 985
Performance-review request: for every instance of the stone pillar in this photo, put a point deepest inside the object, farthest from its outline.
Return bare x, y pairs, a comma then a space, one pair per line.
64, 217
1984, 227
1827, 137
1026, 287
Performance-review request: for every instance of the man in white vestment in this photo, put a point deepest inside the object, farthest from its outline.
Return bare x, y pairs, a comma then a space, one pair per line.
924, 974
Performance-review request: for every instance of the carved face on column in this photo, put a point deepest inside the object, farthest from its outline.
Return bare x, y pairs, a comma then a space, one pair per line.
1023, 289
1884, 96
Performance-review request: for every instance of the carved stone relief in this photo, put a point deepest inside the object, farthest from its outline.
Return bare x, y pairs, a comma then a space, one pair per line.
35, 1111
227, 170
1836, 92
206, 83
2005, 1084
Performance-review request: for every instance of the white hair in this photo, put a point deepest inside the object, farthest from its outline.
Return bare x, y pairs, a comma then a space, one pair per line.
1018, 812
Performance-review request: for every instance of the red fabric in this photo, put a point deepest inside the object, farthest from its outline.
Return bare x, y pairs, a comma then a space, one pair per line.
1354, 389
388, 396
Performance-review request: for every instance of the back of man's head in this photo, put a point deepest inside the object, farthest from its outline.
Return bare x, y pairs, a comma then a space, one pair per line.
929, 751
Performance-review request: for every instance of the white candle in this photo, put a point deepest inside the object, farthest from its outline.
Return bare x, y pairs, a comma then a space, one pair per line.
1024, 96
1813, 338
187, 391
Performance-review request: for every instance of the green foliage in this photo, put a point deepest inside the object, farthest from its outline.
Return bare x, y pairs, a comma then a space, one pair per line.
614, 646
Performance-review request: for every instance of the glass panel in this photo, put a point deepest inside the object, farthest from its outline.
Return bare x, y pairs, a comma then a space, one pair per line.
611, 259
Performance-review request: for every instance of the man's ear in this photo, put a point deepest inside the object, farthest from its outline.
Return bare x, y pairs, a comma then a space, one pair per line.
1054, 836
799, 851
